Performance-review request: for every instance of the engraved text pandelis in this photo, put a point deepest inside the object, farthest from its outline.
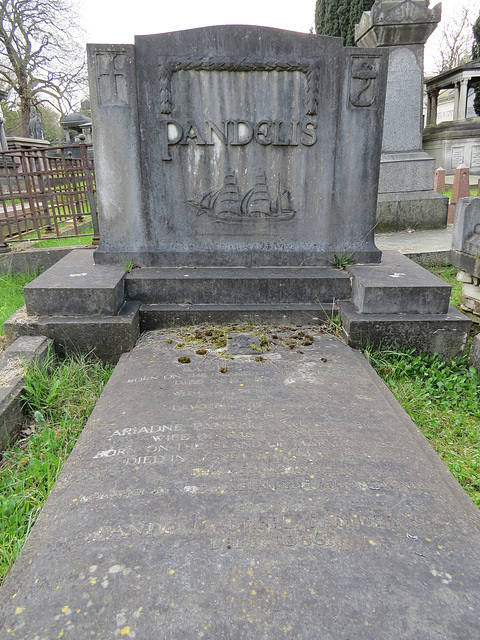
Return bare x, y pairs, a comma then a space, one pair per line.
236, 133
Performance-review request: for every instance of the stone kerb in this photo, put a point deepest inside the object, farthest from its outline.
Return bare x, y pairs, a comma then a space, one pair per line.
25, 350
465, 253
240, 142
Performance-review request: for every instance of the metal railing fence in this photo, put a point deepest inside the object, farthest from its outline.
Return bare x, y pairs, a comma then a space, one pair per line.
46, 193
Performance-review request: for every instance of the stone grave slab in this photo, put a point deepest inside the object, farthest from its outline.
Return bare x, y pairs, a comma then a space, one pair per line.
284, 494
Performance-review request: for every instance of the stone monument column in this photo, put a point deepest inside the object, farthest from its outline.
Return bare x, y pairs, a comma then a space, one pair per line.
405, 196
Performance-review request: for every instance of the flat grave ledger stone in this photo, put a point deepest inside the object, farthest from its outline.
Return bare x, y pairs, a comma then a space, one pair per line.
276, 494
236, 145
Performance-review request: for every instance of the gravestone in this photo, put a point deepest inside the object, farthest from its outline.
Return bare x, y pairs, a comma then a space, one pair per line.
406, 199
282, 494
235, 146
237, 167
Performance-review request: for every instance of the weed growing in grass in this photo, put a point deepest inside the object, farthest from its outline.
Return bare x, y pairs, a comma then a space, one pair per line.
60, 402
11, 294
442, 399
449, 274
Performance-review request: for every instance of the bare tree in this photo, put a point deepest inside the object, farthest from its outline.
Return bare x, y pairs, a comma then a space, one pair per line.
455, 41
41, 58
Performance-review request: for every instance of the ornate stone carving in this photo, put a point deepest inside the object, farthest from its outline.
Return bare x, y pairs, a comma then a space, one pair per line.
111, 79
407, 11
362, 91
227, 204
168, 67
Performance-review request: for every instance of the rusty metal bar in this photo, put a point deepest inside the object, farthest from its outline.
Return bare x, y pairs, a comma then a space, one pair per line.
44, 190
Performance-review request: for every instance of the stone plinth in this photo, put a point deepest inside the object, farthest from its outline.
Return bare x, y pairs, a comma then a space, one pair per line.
406, 196
232, 146
287, 496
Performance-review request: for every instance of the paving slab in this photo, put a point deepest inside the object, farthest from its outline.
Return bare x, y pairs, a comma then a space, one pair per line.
276, 495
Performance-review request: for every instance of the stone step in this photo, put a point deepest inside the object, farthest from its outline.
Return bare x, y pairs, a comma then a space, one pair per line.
281, 495
76, 286
398, 285
446, 334
105, 337
157, 316
222, 286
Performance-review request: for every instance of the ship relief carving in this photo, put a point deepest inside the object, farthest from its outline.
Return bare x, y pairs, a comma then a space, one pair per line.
111, 79
227, 204
363, 86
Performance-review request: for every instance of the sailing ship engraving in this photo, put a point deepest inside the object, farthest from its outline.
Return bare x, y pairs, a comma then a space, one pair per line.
227, 204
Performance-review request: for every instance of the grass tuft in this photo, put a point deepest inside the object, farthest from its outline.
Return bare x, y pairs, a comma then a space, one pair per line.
442, 399
59, 401
11, 294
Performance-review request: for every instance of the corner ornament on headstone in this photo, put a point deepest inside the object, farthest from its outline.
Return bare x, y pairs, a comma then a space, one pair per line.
111, 79
167, 67
362, 83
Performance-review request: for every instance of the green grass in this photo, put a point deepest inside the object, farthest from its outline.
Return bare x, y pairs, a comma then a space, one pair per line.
442, 400
11, 294
62, 242
448, 274
59, 403
473, 192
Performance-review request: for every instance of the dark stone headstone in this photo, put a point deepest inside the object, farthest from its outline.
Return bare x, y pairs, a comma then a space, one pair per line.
284, 494
236, 146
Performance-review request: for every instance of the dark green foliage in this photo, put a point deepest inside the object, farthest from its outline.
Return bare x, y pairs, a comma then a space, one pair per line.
338, 17
476, 56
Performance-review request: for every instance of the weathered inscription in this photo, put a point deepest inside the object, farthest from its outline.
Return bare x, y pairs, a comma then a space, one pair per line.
236, 133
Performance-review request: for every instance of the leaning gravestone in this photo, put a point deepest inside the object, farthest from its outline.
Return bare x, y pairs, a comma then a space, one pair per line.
236, 146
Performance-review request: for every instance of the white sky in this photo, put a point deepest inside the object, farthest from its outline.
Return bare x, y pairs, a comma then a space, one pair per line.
118, 21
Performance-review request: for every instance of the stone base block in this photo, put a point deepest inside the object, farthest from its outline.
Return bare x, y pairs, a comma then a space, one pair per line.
474, 357
465, 262
76, 286
105, 337
158, 316
237, 286
446, 334
403, 172
398, 285
416, 210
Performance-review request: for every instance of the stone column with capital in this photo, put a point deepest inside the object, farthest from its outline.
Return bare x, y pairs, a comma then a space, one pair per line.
406, 199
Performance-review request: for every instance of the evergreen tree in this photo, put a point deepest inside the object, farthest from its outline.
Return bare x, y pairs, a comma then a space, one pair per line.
476, 56
339, 17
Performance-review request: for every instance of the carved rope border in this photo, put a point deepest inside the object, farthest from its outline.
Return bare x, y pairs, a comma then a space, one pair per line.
168, 67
